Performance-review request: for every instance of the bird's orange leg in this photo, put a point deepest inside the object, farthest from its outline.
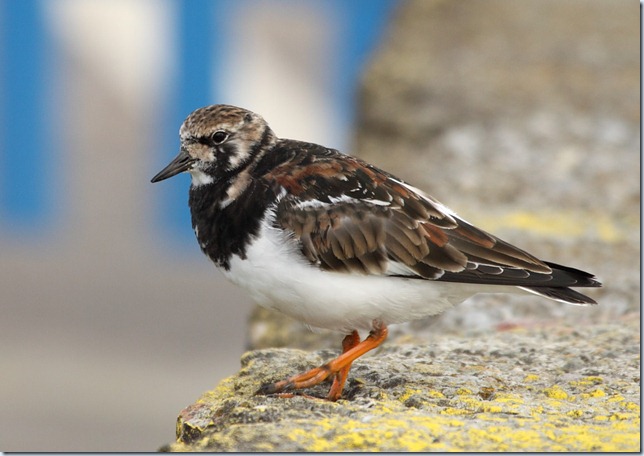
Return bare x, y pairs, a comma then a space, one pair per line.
338, 368
340, 378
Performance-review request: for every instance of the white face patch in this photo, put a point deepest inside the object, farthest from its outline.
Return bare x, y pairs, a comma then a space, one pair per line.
241, 154
200, 178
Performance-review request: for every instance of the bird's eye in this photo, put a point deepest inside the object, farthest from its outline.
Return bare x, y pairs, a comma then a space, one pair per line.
219, 136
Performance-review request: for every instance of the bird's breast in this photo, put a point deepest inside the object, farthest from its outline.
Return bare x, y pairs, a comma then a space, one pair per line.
223, 226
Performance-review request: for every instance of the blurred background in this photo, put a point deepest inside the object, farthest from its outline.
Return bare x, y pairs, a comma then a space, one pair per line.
112, 319
523, 116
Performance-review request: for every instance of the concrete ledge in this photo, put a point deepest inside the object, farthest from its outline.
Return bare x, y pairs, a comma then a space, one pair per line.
537, 389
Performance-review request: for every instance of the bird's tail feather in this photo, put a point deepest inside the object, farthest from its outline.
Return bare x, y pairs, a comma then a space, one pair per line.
562, 294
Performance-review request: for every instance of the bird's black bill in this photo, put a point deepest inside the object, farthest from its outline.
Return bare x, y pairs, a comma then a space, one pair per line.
181, 163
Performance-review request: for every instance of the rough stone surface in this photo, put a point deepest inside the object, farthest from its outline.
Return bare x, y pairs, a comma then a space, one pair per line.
524, 118
526, 389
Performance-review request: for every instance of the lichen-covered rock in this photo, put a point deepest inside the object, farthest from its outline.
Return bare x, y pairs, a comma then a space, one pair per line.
539, 389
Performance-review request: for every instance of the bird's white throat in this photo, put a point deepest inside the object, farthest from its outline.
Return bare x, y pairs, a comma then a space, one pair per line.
200, 178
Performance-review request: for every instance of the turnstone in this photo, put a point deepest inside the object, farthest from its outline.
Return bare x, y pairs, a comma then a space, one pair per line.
337, 243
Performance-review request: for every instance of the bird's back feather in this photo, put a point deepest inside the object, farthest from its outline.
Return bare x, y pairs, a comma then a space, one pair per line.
350, 216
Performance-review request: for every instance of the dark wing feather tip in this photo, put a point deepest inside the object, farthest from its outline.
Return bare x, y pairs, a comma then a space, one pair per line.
562, 294
582, 278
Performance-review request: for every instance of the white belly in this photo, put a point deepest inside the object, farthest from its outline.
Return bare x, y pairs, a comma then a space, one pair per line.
279, 277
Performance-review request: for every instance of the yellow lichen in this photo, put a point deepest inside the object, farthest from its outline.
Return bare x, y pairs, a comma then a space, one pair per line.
490, 408
616, 398
454, 411
585, 415
537, 411
587, 381
415, 434
559, 224
632, 406
400, 431
623, 416
409, 393
594, 394
555, 392
509, 398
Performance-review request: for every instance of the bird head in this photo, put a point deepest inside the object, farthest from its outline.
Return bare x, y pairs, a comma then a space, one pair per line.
218, 141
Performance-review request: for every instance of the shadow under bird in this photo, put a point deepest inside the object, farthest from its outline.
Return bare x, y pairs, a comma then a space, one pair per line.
337, 243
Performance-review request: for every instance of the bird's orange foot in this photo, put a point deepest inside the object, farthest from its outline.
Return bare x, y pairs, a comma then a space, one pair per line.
337, 369
306, 379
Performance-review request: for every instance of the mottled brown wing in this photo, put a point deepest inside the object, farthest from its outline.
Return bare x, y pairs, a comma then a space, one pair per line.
351, 216
338, 237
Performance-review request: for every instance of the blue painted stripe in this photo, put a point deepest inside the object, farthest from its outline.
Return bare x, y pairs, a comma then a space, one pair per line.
365, 26
25, 148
